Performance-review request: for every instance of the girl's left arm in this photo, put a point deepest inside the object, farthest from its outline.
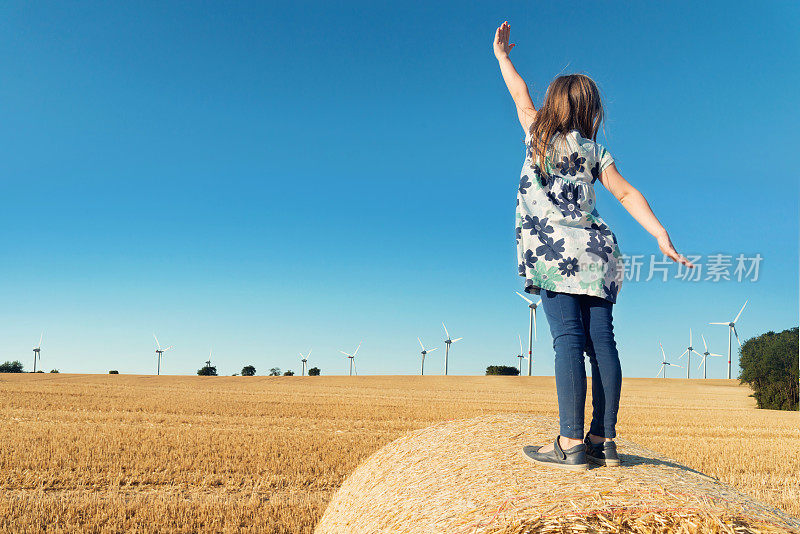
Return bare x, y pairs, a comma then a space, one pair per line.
516, 85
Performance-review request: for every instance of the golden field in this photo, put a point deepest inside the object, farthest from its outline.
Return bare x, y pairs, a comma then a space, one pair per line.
92, 453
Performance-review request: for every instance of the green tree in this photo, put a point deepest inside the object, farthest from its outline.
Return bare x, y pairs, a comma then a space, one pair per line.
11, 367
207, 370
113, 372
769, 366
54, 370
248, 370
275, 371
289, 373
502, 370
314, 371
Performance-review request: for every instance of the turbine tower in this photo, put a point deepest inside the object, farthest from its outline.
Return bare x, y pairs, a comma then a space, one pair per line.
521, 356
447, 343
706, 354
159, 352
688, 353
665, 363
352, 357
732, 331
37, 351
424, 352
531, 328
303, 360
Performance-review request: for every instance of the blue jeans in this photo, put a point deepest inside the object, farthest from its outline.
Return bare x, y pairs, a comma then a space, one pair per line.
578, 323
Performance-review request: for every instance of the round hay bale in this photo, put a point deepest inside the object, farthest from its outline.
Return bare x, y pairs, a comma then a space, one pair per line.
468, 476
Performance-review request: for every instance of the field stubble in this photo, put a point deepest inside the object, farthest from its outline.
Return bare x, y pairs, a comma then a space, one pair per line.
265, 454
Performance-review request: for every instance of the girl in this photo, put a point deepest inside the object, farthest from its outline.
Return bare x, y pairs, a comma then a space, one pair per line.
570, 257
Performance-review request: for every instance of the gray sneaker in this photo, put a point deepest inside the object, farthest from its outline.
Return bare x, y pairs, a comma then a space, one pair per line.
573, 459
601, 453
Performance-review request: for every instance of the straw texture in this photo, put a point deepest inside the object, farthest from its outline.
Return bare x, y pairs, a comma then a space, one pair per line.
468, 476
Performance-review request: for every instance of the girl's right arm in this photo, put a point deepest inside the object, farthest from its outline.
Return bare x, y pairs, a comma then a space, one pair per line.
516, 85
633, 201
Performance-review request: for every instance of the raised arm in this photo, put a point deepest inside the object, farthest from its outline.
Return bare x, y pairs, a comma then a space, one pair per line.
633, 201
516, 85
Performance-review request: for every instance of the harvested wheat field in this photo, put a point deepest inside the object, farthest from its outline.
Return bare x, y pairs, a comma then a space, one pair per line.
266, 454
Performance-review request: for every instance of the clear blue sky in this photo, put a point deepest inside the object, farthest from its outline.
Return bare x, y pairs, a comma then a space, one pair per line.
266, 177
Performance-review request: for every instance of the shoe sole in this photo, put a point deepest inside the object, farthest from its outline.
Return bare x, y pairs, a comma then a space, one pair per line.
603, 462
567, 467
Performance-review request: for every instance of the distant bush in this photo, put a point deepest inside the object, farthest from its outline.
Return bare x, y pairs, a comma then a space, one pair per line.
769, 366
11, 367
275, 371
37, 372
502, 370
113, 372
207, 370
248, 370
54, 370
289, 373
314, 371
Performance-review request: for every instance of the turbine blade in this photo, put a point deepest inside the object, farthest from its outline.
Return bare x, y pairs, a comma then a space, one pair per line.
343, 352
720, 355
705, 346
309, 354
699, 365
526, 299
537, 304
157, 343
737, 336
682, 355
690, 337
662, 351
661, 369
431, 350
726, 324
520, 343
165, 350
358, 347
445, 331
40, 340
740, 311
456, 339
697, 353
675, 365
420, 343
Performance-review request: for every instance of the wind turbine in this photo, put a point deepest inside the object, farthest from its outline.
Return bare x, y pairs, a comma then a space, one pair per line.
303, 360
159, 352
37, 351
732, 330
665, 363
447, 343
352, 357
531, 328
688, 353
424, 352
521, 356
208, 361
706, 354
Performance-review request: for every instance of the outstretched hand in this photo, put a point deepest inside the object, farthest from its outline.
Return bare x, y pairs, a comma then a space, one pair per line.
665, 244
501, 37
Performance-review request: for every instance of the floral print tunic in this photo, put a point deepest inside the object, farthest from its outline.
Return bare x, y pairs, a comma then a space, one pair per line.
562, 243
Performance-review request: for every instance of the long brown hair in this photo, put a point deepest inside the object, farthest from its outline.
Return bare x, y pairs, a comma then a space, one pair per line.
572, 102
